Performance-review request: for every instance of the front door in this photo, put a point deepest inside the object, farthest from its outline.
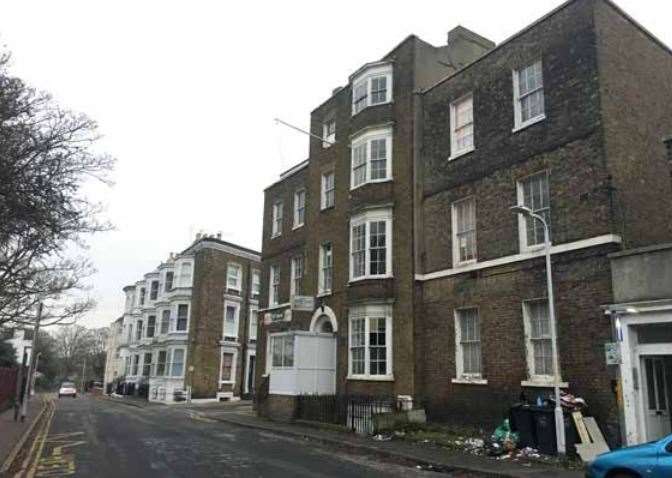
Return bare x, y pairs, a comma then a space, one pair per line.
657, 397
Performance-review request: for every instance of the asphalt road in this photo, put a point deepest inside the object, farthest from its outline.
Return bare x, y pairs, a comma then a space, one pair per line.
91, 437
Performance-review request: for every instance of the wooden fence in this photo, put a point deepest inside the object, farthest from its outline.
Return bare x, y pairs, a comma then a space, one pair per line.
7, 386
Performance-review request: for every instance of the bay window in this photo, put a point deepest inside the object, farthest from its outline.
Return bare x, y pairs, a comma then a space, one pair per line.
371, 245
177, 364
161, 363
182, 318
372, 86
165, 322
370, 342
371, 157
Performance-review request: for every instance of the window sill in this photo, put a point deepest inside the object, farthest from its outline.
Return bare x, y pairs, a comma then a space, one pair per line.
276, 235
461, 153
297, 226
227, 382
327, 208
371, 378
364, 278
543, 384
464, 263
371, 181
325, 293
470, 381
355, 113
528, 123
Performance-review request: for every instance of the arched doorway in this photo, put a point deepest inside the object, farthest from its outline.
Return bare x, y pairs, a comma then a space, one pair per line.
324, 321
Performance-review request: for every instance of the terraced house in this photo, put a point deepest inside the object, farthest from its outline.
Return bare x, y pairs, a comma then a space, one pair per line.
421, 281
189, 327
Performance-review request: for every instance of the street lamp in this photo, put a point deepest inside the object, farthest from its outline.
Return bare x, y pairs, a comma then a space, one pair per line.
559, 419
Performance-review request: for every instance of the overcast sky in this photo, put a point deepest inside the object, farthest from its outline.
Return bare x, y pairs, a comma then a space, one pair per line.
185, 94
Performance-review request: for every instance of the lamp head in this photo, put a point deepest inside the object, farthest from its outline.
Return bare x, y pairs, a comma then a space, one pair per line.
520, 209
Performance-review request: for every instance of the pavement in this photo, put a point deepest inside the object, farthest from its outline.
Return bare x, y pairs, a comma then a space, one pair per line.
242, 415
97, 437
13, 432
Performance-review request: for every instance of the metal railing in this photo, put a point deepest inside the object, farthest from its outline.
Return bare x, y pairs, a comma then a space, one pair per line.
355, 412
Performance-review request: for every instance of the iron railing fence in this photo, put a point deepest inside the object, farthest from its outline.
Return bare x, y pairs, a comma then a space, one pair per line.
355, 412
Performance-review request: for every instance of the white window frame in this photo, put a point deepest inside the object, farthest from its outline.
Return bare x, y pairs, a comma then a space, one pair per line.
164, 363
186, 273
273, 281
519, 124
454, 151
276, 226
177, 317
456, 245
321, 286
522, 219
367, 218
299, 208
329, 138
533, 378
234, 363
368, 312
300, 259
283, 336
161, 328
232, 266
326, 193
253, 323
236, 318
461, 376
366, 139
367, 76
171, 356
256, 282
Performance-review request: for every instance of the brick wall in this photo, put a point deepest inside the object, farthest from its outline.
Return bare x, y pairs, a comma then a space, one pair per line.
636, 94
207, 320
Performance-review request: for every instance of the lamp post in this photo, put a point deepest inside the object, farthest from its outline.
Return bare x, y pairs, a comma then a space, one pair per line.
559, 419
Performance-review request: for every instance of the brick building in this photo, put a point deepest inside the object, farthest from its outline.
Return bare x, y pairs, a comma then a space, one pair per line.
436, 289
191, 324
356, 186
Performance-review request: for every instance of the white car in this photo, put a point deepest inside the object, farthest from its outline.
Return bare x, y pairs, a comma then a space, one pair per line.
67, 389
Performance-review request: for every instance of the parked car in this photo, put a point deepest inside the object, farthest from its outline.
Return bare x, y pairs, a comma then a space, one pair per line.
651, 460
67, 389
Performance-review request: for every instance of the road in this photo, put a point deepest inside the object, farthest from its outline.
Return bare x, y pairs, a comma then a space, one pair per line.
91, 437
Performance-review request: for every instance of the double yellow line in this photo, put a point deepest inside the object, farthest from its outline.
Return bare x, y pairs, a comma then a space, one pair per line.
29, 466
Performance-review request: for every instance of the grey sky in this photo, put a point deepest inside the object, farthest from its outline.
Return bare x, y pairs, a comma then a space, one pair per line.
186, 92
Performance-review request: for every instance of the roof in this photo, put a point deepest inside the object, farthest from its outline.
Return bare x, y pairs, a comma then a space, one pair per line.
225, 246
542, 19
289, 172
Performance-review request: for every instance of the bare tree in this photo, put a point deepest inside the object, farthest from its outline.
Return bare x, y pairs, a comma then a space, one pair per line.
46, 156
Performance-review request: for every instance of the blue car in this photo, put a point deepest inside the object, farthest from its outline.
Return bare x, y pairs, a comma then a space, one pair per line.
651, 460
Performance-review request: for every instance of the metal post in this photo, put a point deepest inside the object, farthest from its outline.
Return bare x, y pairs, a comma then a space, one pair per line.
31, 366
559, 418
19, 386
83, 374
37, 365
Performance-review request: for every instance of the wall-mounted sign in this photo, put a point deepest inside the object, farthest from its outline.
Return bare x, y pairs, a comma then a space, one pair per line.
303, 302
612, 352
